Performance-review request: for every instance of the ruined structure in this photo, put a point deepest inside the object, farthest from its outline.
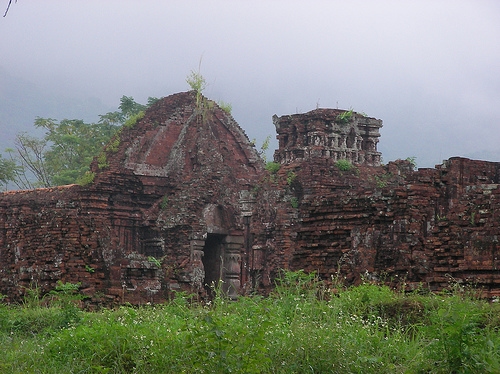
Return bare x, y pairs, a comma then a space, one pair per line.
182, 199
327, 133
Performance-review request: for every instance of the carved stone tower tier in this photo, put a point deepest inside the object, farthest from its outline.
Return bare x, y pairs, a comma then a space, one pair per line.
328, 133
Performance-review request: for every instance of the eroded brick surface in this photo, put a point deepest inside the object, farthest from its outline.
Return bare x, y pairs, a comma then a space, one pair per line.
183, 200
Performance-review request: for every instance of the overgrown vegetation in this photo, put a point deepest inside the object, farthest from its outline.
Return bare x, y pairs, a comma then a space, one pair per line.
344, 165
291, 176
382, 180
204, 107
86, 179
302, 327
344, 117
197, 82
63, 155
273, 167
226, 107
102, 160
133, 119
413, 161
164, 202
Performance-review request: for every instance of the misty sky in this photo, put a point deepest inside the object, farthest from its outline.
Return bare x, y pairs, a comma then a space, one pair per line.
429, 69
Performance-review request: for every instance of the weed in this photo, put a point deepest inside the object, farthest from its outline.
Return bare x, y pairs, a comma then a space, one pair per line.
383, 180
273, 167
344, 165
264, 147
196, 81
164, 202
344, 117
226, 107
413, 162
300, 327
154, 261
290, 177
114, 144
90, 269
198, 84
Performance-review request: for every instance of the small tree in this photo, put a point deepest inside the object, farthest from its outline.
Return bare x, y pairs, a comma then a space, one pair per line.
64, 154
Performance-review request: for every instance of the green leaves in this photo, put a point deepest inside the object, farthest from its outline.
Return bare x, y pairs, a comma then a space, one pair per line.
344, 165
344, 117
304, 326
8, 170
64, 154
196, 81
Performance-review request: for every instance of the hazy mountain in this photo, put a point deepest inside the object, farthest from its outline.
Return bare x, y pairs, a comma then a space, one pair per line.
22, 101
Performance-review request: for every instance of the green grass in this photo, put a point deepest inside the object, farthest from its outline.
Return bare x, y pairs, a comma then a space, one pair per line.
302, 327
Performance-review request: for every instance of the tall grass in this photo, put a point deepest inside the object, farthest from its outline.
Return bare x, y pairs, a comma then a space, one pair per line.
302, 327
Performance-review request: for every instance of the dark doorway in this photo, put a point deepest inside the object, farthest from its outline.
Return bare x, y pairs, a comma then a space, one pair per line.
212, 261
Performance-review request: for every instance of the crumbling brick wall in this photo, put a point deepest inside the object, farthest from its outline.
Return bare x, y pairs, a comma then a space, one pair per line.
165, 197
425, 228
181, 199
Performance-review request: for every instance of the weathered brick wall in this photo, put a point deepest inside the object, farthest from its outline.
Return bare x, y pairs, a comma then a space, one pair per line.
181, 199
163, 189
424, 228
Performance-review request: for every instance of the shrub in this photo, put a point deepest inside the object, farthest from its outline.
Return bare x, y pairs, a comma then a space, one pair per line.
114, 144
413, 161
344, 165
133, 119
344, 117
102, 161
302, 326
86, 179
273, 167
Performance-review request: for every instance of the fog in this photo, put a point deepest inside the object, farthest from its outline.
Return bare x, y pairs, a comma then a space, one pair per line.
428, 69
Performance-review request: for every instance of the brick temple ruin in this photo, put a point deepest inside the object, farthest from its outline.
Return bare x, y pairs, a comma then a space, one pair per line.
183, 199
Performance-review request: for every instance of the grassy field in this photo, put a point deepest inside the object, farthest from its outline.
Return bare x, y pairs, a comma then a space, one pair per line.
302, 327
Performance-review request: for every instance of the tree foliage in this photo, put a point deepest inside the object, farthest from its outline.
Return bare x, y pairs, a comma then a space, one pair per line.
8, 170
66, 150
